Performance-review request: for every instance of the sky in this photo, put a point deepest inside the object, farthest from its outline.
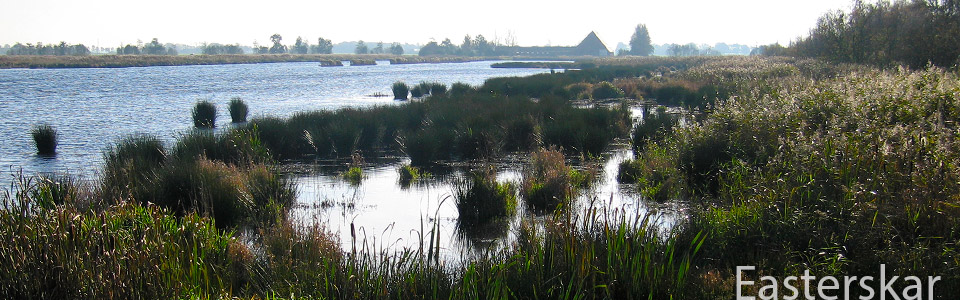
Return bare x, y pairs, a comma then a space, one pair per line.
111, 23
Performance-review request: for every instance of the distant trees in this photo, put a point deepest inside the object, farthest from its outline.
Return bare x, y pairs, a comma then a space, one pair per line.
640, 41
300, 46
470, 47
912, 33
277, 47
378, 49
60, 49
684, 50
361, 48
324, 46
396, 49
215, 49
152, 48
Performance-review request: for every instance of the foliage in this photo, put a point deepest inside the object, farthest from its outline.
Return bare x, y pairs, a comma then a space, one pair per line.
204, 114
481, 199
238, 110
606, 90
640, 41
400, 90
45, 139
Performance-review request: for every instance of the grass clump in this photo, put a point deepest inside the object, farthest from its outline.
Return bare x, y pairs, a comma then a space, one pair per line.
238, 110
354, 174
548, 180
653, 128
204, 114
409, 174
606, 90
482, 199
400, 91
460, 88
45, 139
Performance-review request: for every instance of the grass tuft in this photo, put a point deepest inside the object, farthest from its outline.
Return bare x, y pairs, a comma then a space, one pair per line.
204, 114
45, 139
238, 110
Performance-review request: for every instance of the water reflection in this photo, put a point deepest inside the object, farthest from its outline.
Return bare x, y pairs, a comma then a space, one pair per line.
390, 214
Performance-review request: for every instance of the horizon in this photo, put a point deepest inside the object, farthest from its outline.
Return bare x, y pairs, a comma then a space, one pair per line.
93, 23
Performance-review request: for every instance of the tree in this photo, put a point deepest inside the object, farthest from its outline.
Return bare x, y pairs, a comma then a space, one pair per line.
378, 49
277, 47
300, 46
466, 48
154, 48
324, 46
361, 48
640, 41
396, 49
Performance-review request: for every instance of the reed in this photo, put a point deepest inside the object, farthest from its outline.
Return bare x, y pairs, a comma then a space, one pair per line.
400, 91
238, 110
45, 139
204, 114
481, 199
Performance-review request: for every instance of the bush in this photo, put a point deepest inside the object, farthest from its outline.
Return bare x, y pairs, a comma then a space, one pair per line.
400, 91
45, 138
460, 89
238, 110
207, 187
417, 92
204, 114
606, 90
482, 199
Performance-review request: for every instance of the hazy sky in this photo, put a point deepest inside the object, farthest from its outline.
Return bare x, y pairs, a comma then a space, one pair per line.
109, 23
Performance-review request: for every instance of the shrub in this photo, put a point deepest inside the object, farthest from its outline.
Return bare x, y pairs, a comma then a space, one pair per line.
204, 114
238, 110
400, 90
606, 90
438, 89
207, 187
45, 138
482, 199
460, 89
417, 92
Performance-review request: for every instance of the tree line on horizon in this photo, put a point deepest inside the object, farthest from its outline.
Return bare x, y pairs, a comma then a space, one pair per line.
913, 33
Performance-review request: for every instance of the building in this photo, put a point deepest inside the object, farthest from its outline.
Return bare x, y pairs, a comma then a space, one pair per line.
590, 46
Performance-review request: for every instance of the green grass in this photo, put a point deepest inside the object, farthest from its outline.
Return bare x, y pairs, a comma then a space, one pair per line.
204, 114
238, 110
549, 181
606, 90
45, 139
400, 91
481, 199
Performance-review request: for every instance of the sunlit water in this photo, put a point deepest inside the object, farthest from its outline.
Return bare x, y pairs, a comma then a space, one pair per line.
93, 108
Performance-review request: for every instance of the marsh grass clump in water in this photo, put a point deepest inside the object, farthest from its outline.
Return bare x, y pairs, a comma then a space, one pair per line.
400, 91
204, 114
481, 198
238, 110
409, 174
548, 180
45, 139
354, 174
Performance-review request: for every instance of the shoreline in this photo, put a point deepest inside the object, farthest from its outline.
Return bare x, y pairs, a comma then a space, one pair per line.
129, 61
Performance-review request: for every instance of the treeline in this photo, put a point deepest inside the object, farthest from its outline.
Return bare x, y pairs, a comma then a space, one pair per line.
478, 46
912, 33
152, 48
301, 46
60, 49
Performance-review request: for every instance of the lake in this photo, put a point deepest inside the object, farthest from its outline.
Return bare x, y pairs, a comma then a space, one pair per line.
94, 108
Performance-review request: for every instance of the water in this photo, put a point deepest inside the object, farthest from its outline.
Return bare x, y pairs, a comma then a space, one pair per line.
94, 108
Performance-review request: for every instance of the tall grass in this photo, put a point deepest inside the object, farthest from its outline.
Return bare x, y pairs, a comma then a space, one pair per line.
204, 114
400, 91
238, 110
45, 139
548, 181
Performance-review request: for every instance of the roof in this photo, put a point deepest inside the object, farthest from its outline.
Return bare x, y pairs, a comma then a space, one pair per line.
591, 45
